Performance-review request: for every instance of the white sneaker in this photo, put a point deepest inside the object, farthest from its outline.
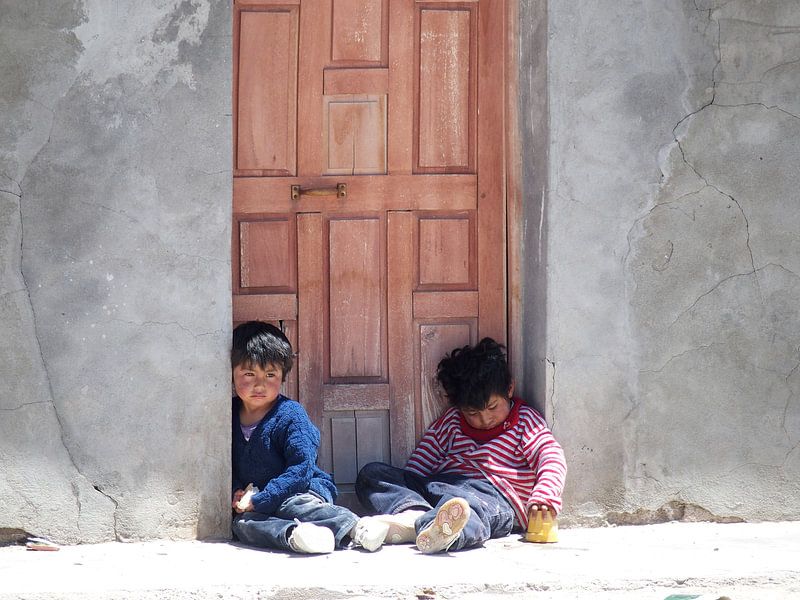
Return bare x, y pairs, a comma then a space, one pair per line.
369, 533
401, 526
308, 538
440, 534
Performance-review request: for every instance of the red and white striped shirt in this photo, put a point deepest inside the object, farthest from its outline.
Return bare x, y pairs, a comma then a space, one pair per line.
525, 462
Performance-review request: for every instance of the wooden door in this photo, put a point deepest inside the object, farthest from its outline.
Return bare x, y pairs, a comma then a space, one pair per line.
369, 203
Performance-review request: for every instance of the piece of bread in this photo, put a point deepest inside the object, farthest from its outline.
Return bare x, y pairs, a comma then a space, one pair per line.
247, 497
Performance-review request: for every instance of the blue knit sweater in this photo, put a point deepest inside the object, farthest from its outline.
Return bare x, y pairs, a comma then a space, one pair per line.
280, 458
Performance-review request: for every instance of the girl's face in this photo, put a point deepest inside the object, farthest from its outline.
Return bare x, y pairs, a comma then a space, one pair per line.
257, 387
495, 413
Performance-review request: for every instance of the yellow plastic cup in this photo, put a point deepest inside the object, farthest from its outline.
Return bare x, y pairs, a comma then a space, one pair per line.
542, 527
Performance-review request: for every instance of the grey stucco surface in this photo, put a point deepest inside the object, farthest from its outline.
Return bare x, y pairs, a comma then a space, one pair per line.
673, 296
661, 260
114, 268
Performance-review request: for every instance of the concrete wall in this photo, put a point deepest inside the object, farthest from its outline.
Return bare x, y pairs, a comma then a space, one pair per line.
660, 144
114, 268
673, 296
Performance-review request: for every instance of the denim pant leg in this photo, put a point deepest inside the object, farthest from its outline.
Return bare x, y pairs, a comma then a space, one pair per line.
384, 489
310, 508
387, 490
272, 531
263, 531
491, 515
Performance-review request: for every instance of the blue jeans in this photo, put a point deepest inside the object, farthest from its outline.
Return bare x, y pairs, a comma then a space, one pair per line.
272, 531
384, 489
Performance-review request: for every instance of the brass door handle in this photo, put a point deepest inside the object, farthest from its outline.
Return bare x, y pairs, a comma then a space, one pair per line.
340, 191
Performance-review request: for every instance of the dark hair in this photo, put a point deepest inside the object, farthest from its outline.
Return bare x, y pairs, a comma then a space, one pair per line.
471, 375
259, 343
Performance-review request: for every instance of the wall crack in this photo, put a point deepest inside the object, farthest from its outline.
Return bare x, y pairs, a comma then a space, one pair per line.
741, 210
10, 193
13, 292
121, 213
686, 161
207, 259
726, 279
116, 509
788, 400
158, 324
21, 406
760, 105
51, 400
677, 356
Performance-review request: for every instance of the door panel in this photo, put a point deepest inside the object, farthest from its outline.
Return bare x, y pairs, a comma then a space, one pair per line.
265, 262
445, 59
355, 81
353, 439
362, 32
402, 102
434, 338
355, 134
266, 98
350, 440
446, 248
356, 291
344, 448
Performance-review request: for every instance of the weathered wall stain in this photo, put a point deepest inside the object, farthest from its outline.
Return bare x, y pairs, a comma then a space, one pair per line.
115, 289
673, 295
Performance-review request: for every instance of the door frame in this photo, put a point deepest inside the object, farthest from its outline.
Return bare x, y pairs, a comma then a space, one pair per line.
527, 188
514, 200
525, 324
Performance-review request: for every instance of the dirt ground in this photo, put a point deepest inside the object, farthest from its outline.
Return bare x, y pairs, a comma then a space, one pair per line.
743, 561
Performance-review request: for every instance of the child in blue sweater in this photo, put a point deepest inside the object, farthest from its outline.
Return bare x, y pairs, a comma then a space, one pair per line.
274, 450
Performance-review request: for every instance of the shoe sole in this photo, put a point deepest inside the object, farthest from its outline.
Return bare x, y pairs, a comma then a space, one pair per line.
450, 520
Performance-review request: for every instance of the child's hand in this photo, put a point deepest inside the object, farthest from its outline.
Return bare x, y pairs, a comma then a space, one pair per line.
242, 499
237, 498
537, 507
237, 495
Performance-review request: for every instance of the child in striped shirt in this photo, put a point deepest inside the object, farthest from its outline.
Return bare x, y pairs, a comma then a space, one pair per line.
479, 471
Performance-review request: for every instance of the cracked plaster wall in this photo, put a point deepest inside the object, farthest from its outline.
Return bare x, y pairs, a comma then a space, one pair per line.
673, 258
661, 243
114, 268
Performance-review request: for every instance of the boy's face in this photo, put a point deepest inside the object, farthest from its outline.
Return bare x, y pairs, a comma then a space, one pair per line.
257, 387
494, 414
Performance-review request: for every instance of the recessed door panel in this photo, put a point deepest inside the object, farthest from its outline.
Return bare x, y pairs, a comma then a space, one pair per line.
360, 32
266, 254
266, 98
355, 134
446, 251
445, 94
356, 290
435, 340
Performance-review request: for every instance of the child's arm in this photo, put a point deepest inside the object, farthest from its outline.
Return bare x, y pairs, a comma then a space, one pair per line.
546, 458
300, 446
430, 451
